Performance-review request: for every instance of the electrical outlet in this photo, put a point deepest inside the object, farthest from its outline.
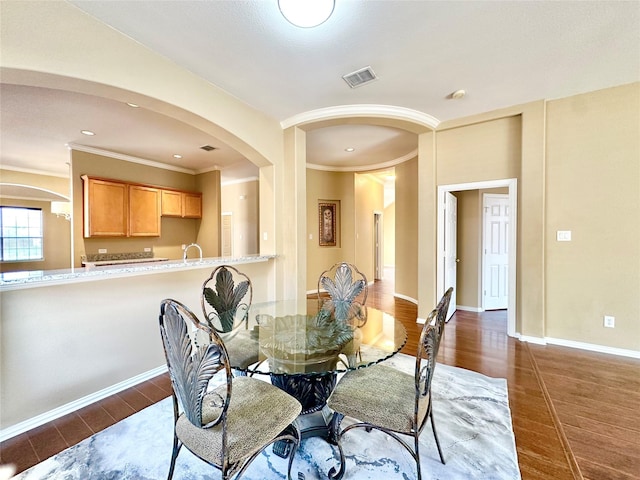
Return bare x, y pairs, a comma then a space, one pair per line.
609, 321
102, 250
184, 246
147, 249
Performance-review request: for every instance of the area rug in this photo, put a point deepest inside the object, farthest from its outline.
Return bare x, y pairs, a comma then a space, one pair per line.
472, 418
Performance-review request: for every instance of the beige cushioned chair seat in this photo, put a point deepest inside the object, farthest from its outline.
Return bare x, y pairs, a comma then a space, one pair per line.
242, 349
263, 413
365, 394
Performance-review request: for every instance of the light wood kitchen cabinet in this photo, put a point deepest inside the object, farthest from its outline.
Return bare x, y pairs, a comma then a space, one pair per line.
171, 203
106, 208
192, 205
181, 204
144, 211
119, 209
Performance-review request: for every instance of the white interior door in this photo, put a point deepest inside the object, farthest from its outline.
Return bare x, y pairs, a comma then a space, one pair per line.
450, 248
227, 235
495, 263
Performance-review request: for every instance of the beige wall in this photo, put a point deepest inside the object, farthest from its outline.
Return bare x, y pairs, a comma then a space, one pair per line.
358, 197
241, 200
208, 227
175, 232
406, 229
332, 186
369, 199
390, 235
63, 342
593, 189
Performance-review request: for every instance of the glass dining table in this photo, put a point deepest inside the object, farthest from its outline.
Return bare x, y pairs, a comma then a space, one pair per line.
303, 348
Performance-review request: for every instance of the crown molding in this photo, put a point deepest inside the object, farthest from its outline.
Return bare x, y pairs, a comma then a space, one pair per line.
128, 158
354, 111
365, 168
239, 180
34, 171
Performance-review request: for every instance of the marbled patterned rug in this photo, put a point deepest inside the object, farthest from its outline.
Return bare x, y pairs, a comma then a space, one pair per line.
471, 412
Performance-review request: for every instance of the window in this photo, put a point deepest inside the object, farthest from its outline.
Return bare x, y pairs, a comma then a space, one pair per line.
21, 234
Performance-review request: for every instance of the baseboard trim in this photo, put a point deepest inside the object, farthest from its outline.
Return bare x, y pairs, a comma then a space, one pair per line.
469, 309
70, 407
405, 297
529, 339
593, 347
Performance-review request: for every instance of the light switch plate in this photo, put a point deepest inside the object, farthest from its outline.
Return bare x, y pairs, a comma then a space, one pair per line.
563, 235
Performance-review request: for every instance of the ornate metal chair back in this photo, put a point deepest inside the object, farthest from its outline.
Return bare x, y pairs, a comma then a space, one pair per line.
425, 365
192, 365
347, 291
440, 318
226, 298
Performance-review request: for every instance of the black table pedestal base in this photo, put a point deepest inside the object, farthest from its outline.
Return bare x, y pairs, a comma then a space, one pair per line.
312, 392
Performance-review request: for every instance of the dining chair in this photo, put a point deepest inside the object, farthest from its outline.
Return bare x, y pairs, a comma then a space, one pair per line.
343, 290
389, 400
225, 300
227, 423
440, 319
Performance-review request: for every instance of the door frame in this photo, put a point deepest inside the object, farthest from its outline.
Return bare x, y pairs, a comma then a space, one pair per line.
512, 184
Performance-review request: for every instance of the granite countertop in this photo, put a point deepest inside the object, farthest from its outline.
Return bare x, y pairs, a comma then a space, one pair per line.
103, 263
35, 278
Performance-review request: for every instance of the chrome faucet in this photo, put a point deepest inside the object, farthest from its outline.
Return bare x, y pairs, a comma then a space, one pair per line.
184, 257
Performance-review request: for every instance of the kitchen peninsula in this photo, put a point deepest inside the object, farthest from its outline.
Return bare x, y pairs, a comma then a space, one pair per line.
71, 337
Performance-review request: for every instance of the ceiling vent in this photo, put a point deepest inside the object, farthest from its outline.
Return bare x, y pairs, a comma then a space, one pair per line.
360, 77
207, 148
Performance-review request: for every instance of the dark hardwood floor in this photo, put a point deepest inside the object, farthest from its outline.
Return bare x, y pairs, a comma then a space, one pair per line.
575, 414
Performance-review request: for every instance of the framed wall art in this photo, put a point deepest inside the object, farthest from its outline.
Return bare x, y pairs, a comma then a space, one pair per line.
327, 214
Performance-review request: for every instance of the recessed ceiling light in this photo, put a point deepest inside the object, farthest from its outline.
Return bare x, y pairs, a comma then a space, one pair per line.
349, 149
177, 156
132, 105
458, 94
87, 132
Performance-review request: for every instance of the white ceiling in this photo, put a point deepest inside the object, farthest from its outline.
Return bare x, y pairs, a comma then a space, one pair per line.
502, 53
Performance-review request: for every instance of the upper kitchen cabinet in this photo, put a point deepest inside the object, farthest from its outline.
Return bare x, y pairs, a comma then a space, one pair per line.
144, 211
181, 204
118, 209
105, 208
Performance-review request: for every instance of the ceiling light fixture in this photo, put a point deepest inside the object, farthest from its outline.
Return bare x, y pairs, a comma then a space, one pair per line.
349, 149
177, 156
458, 94
308, 13
87, 132
132, 105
